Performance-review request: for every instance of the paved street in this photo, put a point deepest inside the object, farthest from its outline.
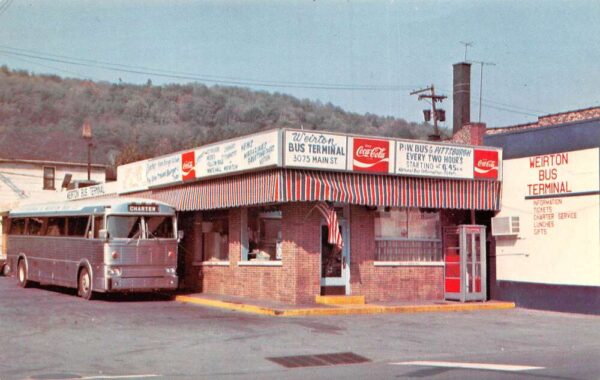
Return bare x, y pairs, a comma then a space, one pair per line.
48, 333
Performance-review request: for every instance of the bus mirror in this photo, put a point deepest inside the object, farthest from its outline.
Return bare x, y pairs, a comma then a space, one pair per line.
103, 235
180, 235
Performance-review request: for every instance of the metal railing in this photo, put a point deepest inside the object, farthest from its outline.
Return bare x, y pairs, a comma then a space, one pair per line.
407, 249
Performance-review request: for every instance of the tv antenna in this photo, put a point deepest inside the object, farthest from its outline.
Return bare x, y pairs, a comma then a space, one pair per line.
481, 63
467, 45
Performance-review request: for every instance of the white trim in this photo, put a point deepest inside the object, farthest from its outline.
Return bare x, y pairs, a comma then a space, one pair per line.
408, 263
479, 366
260, 263
213, 263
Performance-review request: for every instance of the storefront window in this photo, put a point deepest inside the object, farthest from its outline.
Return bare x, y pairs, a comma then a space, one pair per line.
408, 234
262, 240
215, 235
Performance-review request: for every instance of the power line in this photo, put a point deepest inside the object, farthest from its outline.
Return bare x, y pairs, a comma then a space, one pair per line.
48, 66
198, 77
514, 107
23, 54
509, 110
4, 6
507, 107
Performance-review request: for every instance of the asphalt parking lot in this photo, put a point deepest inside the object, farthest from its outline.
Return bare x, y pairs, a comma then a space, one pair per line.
48, 333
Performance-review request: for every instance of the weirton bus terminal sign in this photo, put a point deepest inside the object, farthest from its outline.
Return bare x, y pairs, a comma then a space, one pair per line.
289, 148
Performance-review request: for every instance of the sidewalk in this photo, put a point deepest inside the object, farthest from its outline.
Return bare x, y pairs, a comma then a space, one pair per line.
277, 309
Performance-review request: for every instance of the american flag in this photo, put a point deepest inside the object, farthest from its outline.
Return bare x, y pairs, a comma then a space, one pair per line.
334, 237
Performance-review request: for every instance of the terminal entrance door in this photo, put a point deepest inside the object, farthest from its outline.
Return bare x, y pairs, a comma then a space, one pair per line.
335, 264
465, 263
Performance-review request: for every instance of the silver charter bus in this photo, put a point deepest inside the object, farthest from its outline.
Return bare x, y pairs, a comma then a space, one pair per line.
103, 245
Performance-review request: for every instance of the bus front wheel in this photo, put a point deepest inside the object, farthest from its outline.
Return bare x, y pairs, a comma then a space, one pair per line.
84, 284
22, 274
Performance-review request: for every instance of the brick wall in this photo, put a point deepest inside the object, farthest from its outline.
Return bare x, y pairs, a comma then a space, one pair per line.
386, 283
296, 281
552, 119
470, 134
569, 117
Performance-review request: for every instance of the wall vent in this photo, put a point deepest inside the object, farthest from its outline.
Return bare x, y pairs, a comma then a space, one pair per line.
505, 226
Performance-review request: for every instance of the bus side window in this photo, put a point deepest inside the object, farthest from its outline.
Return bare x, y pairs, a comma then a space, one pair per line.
98, 225
17, 226
36, 226
76, 225
56, 227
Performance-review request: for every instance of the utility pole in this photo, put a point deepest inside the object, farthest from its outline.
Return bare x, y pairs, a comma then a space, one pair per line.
481, 63
86, 133
438, 114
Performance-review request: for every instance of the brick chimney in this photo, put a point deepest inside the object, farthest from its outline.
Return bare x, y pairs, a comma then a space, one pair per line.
461, 106
470, 134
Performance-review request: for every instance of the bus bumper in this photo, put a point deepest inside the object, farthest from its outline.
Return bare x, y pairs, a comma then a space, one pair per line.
127, 284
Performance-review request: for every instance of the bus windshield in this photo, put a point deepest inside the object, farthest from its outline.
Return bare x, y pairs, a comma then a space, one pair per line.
124, 226
129, 227
160, 227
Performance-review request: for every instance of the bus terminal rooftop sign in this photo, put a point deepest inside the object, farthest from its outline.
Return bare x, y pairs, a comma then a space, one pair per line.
314, 150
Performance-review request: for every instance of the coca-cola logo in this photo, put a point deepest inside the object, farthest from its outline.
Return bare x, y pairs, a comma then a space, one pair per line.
371, 155
486, 164
376, 152
188, 165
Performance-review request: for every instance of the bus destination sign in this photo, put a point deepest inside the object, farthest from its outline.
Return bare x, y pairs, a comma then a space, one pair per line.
142, 208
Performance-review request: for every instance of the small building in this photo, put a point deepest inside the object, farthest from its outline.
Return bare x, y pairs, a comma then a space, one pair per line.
33, 181
547, 233
286, 215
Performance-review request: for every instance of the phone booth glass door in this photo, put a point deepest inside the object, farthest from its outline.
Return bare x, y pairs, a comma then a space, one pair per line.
465, 261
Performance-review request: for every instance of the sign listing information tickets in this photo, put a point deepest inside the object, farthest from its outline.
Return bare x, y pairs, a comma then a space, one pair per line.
313, 150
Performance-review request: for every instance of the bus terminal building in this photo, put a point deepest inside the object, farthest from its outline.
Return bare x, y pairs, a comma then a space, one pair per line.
286, 215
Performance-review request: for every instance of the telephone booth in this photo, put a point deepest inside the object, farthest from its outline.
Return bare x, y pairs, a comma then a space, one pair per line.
465, 269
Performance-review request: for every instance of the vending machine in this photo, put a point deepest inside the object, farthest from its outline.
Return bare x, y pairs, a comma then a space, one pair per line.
465, 264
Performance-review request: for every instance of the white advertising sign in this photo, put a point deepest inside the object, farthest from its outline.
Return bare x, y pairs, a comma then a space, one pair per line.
556, 197
566, 173
164, 170
132, 177
433, 160
261, 150
92, 191
315, 150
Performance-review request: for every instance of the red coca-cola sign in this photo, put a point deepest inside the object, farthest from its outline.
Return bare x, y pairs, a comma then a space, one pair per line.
188, 166
371, 155
486, 164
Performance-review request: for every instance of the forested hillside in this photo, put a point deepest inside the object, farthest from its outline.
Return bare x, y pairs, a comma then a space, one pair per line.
41, 117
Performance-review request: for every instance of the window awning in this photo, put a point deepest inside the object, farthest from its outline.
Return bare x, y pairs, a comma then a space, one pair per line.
285, 185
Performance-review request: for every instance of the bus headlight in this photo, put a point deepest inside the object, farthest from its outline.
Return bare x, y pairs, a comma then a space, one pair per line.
170, 270
114, 271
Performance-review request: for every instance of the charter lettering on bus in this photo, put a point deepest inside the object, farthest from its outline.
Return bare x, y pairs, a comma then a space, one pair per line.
142, 208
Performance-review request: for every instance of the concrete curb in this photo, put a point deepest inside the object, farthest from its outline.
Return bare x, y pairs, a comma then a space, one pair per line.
343, 309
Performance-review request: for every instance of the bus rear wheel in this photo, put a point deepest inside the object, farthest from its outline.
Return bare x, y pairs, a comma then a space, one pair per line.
84, 284
22, 274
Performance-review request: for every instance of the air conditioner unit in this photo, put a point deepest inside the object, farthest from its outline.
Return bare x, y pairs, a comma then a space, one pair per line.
505, 226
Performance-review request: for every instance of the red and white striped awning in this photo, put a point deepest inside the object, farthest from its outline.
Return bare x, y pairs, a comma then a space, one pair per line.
285, 185
395, 191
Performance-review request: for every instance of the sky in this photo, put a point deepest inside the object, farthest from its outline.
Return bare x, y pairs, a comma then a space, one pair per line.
364, 56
